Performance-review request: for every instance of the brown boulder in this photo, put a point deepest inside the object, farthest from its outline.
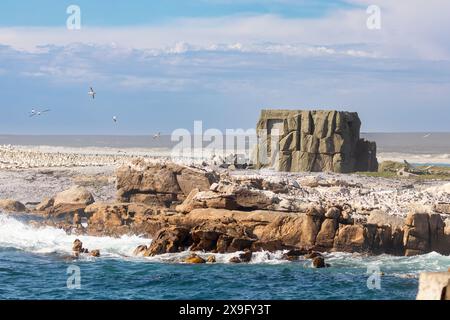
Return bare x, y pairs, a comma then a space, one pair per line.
271, 246
416, 238
325, 237
95, 253
319, 262
195, 259
12, 206
246, 256
350, 238
223, 242
170, 240
77, 246
294, 254
252, 199
140, 250
204, 240
169, 179
299, 229
76, 195
235, 260
240, 244
45, 204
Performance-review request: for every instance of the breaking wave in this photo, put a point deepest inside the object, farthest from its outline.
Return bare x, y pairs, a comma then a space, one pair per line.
44, 240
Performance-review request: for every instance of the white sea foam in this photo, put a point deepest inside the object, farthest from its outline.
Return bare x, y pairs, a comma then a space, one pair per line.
21, 236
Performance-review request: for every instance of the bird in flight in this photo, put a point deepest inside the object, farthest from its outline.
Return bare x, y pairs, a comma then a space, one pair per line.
35, 112
157, 135
114, 118
92, 93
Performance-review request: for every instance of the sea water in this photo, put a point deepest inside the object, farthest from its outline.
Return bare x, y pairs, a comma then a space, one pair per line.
37, 263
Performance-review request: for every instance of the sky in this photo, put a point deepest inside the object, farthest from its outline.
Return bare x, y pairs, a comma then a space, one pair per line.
161, 65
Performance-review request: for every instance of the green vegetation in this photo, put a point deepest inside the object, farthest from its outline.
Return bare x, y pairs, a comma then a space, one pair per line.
389, 169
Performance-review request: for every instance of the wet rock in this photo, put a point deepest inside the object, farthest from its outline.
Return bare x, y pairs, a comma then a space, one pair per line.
235, 260
77, 245
313, 255
95, 253
204, 240
223, 242
195, 259
246, 256
350, 238
211, 259
77, 248
170, 240
240, 244
319, 262
294, 254
140, 250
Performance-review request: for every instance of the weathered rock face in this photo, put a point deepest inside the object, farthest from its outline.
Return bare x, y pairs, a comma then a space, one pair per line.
160, 184
313, 141
434, 286
66, 204
424, 233
76, 195
12, 206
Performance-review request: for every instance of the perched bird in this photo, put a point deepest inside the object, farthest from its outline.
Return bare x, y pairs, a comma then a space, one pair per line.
35, 112
92, 93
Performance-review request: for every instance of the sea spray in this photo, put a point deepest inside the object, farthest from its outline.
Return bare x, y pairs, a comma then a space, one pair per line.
19, 235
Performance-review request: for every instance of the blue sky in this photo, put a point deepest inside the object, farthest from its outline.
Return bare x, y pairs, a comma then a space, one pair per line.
145, 12
160, 65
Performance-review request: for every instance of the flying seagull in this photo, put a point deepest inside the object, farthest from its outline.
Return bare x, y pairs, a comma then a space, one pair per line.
114, 118
92, 93
35, 112
157, 135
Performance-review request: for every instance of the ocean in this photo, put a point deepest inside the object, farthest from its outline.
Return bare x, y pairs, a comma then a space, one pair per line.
37, 264
416, 148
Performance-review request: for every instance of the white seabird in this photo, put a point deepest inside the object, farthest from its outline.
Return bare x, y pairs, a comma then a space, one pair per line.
35, 112
92, 93
114, 118
157, 135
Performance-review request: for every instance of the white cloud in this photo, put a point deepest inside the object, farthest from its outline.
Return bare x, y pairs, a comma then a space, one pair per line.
410, 29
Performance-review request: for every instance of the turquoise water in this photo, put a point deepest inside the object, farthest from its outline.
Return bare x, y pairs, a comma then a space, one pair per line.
43, 276
34, 265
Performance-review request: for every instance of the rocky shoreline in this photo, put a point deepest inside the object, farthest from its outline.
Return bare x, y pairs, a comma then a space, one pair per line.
204, 210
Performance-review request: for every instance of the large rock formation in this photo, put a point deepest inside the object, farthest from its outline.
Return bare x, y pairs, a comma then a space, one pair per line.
313, 141
160, 185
